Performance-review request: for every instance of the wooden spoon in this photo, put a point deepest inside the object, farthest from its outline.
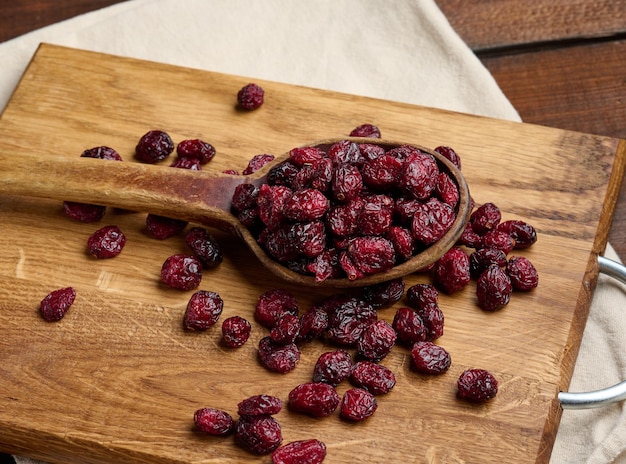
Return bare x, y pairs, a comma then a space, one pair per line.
197, 196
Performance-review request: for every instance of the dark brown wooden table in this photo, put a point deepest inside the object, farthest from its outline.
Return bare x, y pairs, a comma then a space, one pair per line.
560, 62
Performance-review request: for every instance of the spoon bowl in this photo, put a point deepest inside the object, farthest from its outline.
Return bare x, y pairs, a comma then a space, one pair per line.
202, 197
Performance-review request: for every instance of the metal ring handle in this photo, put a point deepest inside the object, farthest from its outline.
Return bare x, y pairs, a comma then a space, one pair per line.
605, 396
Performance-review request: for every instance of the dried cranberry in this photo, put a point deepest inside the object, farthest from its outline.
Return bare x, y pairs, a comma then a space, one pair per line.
279, 244
372, 254
497, 239
384, 294
154, 146
366, 130
405, 209
203, 310
375, 216
106, 242
348, 266
433, 319
316, 399
214, 421
161, 227
204, 246
452, 270
181, 272
375, 378
286, 329
342, 220
402, 241
450, 154
235, 331
357, 404
476, 385
259, 405
429, 358
274, 304
348, 322
446, 189
326, 265
306, 155
332, 367
431, 221
270, 201
278, 357
250, 96
469, 238
102, 152
308, 238
481, 260
382, 173
493, 289
192, 164
369, 151
300, 452
257, 162
306, 205
522, 233
347, 182
376, 341
313, 323
283, 173
244, 197
409, 326
83, 212
419, 175
485, 218
258, 434
56, 303
343, 152
522, 273
196, 149
420, 295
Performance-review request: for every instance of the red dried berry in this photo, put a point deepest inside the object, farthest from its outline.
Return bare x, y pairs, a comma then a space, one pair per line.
203, 310
477, 386
402, 241
343, 152
419, 175
235, 331
214, 421
277, 357
154, 146
450, 154
244, 197
283, 173
374, 377
498, 240
384, 294
382, 172
300, 452
433, 319
270, 201
421, 295
493, 289
204, 246
316, 399
106, 242
102, 152
181, 272
306, 205
196, 149
348, 321
469, 238
332, 367
371, 254
375, 216
258, 434
357, 404
161, 227
431, 221
481, 260
366, 130
523, 274
429, 358
274, 304
313, 323
308, 238
342, 220
257, 162
447, 190
306, 155
347, 182
187, 163
452, 270
259, 405
286, 329
56, 303
409, 326
83, 212
250, 96
376, 341
522, 233
485, 218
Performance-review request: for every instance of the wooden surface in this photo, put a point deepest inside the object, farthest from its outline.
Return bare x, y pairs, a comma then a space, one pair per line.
118, 379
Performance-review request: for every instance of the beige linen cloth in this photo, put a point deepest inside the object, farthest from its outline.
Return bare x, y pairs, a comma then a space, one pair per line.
374, 48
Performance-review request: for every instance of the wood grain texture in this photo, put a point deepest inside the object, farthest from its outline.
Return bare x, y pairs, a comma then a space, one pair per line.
117, 380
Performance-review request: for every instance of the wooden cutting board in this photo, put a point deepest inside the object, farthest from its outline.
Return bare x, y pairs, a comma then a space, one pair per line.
118, 380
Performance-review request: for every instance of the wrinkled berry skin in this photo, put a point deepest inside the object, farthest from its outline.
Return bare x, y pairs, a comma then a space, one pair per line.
203, 310
258, 434
409, 326
161, 227
481, 260
277, 357
181, 272
54, 306
429, 358
196, 149
154, 146
214, 421
375, 378
376, 341
332, 367
523, 274
274, 304
418, 296
493, 289
235, 331
204, 246
83, 212
485, 218
300, 452
257, 162
477, 386
106, 242
366, 130
523, 234
102, 152
357, 404
250, 96
260, 405
316, 399
384, 294
452, 270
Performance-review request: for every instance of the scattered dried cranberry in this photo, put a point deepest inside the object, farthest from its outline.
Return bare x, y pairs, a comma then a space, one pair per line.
277, 357
316, 399
244, 197
161, 227
433, 319
374, 377
214, 421
332, 367
357, 404
102, 152
498, 240
452, 270
259, 405
300, 452
56, 303
313, 323
286, 329
522, 233
83, 212
449, 153
421, 295
106, 242
493, 289
204, 246
469, 238
203, 310
250, 96
376, 341
476, 385
257, 162
235, 331
429, 358
258, 434
366, 130
181, 272
384, 294
196, 149
349, 320
274, 304
192, 164
522, 273
485, 218
482, 259
409, 326
154, 146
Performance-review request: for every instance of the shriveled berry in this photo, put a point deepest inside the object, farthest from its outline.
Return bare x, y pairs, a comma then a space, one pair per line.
419, 175
102, 152
349, 267
343, 219
316, 399
214, 421
308, 238
375, 217
257, 162
203, 310
433, 319
300, 452
522, 233
477, 386
258, 434
56, 303
374, 377
277, 357
181, 272
332, 367
402, 241
235, 331
317, 175
286, 329
357, 404
326, 265
429, 358
204, 246
369, 151
250, 96
452, 270
347, 182
161, 227
270, 201
244, 197
447, 190
259, 405
499, 240
154, 146
382, 173
196, 149
274, 304
349, 320
372, 254
482, 259
384, 294
450, 154
306, 205
306, 155
366, 130
345, 151
420, 295
409, 326
283, 173
106, 242
469, 238
376, 341
485, 218
279, 243
431, 221
83, 212
493, 289
313, 323
192, 164
522, 272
